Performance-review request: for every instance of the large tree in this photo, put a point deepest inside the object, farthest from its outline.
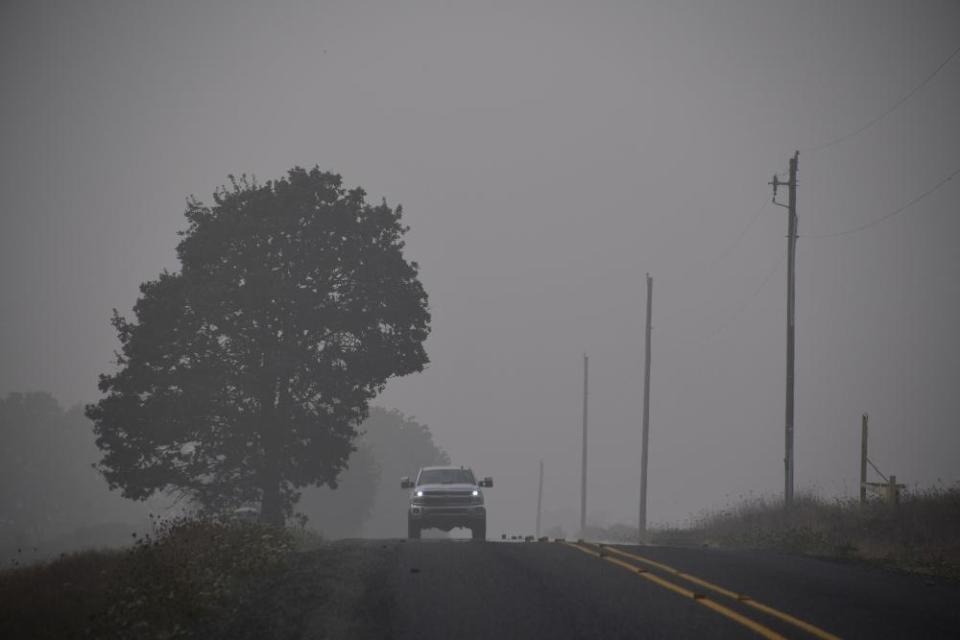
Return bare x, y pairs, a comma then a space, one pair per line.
244, 375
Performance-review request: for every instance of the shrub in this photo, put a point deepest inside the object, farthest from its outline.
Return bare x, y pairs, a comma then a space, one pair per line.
189, 578
190, 575
56, 600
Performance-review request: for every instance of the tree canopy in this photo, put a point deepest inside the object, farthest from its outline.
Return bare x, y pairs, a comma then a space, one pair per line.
244, 376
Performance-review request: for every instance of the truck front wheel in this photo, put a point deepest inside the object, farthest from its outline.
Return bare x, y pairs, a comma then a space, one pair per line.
479, 531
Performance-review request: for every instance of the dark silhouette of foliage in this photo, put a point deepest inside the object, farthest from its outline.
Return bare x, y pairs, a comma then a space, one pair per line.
244, 375
368, 497
52, 500
42, 466
400, 445
47, 486
341, 512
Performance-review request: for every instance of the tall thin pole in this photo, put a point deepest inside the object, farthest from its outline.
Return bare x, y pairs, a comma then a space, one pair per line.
540, 499
863, 458
791, 207
791, 318
583, 477
642, 518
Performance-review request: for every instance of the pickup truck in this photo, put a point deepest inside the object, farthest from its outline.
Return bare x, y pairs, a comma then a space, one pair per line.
445, 498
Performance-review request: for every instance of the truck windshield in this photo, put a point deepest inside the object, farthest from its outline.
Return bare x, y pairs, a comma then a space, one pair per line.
446, 476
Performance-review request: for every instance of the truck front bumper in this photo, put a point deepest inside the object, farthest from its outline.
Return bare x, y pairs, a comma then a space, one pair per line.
449, 516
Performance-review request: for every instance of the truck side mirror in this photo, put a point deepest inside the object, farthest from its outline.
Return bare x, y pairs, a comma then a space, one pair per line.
405, 483
486, 482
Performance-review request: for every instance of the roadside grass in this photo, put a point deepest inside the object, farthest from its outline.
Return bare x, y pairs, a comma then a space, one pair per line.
921, 534
58, 599
190, 578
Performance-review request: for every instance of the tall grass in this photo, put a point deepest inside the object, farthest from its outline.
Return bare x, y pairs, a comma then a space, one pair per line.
920, 534
58, 599
187, 579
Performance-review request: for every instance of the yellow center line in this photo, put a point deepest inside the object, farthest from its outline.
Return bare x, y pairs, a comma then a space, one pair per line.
747, 600
699, 598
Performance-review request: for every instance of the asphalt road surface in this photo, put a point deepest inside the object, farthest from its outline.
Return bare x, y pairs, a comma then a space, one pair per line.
458, 590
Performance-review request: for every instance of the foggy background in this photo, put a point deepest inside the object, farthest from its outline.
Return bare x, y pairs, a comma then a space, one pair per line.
547, 156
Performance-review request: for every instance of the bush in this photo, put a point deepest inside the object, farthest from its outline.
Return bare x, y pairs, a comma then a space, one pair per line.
56, 600
191, 574
189, 578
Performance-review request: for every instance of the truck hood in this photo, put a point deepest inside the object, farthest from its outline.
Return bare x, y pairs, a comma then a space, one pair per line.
461, 487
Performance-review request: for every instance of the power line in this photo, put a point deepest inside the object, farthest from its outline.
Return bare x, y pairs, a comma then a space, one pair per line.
889, 215
707, 264
743, 232
746, 303
883, 115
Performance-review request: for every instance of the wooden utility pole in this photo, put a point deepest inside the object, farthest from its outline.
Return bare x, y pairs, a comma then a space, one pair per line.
540, 499
642, 517
863, 459
791, 207
583, 477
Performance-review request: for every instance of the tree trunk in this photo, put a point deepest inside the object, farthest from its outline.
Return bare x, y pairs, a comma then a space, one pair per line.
271, 507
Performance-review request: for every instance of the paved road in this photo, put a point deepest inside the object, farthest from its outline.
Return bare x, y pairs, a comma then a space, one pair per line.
460, 590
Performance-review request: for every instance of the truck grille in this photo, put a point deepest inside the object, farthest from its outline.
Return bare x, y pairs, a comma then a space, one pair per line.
447, 498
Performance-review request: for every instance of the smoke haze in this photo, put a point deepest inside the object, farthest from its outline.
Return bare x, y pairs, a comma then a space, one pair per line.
547, 156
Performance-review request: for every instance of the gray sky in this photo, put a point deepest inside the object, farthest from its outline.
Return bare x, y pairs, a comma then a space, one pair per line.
547, 156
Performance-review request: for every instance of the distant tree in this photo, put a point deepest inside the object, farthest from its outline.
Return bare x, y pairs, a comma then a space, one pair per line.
341, 512
48, 487
244, 375
34, 432
400, 445
368, 496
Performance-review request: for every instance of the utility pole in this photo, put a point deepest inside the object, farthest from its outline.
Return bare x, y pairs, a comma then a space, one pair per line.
863, 459
642, 518
583, 477
791, 207
540, 499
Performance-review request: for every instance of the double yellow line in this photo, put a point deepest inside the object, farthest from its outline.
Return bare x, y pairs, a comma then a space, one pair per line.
608, 553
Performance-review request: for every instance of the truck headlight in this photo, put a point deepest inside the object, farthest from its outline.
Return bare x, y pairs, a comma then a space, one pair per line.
420, 494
